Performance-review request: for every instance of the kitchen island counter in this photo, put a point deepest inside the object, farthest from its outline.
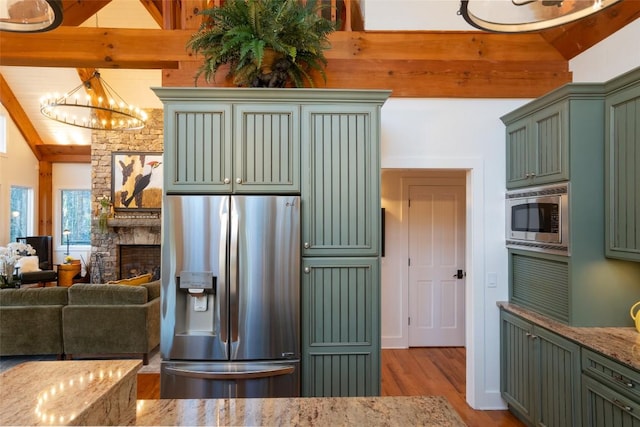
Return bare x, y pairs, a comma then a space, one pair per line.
325, 411
69, 392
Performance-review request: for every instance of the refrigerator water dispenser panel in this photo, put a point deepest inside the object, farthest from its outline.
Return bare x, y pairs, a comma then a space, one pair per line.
197, 282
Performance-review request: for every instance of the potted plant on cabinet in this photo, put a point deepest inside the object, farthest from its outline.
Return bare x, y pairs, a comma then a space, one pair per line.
266, 43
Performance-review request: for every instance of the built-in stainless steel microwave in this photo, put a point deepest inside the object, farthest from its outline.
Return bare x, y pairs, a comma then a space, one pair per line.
538, 219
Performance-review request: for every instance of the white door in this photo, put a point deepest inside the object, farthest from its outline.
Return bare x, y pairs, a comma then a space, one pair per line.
436, 253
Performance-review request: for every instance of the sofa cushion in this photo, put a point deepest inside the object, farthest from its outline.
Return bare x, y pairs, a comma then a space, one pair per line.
28, 264
153, 289
33, 296
133, 281
104, 294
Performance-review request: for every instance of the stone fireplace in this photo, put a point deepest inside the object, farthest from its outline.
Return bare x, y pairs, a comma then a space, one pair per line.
132, 229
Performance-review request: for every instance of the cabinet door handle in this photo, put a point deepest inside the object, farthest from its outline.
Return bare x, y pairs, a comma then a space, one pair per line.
307, 245
526, 175
530, 335
621, 380
307, 270
239, 180
533, 174
621, 405
226, 180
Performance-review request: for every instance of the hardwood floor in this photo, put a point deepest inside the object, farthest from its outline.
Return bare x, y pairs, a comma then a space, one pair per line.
417, 371
436, 371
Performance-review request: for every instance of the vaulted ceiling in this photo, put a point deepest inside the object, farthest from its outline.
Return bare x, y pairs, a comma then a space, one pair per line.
452, 64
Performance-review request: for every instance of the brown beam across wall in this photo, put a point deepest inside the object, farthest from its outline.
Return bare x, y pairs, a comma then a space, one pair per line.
45, 199
411, 64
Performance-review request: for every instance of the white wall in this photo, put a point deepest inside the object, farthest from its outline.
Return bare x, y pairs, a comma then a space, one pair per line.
17, 167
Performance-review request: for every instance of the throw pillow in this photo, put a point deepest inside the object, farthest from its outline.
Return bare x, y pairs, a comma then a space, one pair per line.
28, 264
132, 281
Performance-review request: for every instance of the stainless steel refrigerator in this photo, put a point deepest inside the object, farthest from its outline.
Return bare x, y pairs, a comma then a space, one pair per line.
230, 324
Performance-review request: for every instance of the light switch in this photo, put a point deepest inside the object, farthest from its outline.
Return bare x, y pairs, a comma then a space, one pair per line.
492, 280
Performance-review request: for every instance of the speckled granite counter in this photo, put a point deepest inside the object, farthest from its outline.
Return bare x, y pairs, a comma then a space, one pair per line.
69, 393
340, 411
621, 344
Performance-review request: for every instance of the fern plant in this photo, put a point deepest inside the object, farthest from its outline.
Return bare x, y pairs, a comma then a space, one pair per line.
265, 42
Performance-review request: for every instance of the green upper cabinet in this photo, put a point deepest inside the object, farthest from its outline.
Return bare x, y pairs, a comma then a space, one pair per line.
266, 148
340, 180
622, 167
197, 148
537, 151
551, 138
232, 147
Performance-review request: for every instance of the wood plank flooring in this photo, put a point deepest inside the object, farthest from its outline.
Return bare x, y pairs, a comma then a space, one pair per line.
436, 371
417, 371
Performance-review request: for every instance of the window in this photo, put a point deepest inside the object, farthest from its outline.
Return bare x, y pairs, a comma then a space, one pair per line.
76, 217
21, 212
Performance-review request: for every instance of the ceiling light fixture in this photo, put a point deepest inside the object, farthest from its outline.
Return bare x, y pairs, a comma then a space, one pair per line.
521, 16
100, 108
30, 16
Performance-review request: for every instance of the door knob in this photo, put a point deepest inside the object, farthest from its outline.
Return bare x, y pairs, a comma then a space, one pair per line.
459, 274
227, 180
239, 180
307, 245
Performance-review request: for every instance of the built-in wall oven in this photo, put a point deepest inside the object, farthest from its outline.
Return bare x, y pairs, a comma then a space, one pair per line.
538, 219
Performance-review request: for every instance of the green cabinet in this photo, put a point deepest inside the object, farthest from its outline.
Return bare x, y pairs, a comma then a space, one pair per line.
610, 392
323, 144
537, 147
622, 167
556, 137
539, 373
231, 148
341, 327
340, 180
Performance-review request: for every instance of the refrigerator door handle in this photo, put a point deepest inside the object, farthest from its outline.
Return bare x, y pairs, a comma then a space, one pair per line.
233, 273
222, 276
229, 375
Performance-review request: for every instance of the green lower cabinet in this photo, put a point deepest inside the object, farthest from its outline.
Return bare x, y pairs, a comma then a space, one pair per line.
540, 374
341, 327
605, 407
610, 392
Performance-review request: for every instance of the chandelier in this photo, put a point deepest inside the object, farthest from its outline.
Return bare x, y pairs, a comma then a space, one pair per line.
30, 16
99, 108
519, 16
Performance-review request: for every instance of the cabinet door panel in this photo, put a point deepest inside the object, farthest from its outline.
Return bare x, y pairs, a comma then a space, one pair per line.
516, 366
559, 380
267, 148
518, 154
340, 180
341, 326
623, 175
551, 145
197, 148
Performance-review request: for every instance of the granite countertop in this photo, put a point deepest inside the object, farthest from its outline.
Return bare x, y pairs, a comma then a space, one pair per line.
619, 343
326, 411
69, 393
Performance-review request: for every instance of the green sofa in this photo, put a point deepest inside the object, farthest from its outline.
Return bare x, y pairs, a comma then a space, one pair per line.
112, 319
31, 321
82, 320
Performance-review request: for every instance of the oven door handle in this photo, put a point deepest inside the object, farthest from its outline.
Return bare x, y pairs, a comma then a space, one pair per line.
231, 375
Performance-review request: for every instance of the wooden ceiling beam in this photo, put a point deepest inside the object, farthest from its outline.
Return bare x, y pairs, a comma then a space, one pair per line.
20, 118
573, 39
57, 153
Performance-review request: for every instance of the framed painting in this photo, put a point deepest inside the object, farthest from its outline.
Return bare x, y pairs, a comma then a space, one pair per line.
136, 180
